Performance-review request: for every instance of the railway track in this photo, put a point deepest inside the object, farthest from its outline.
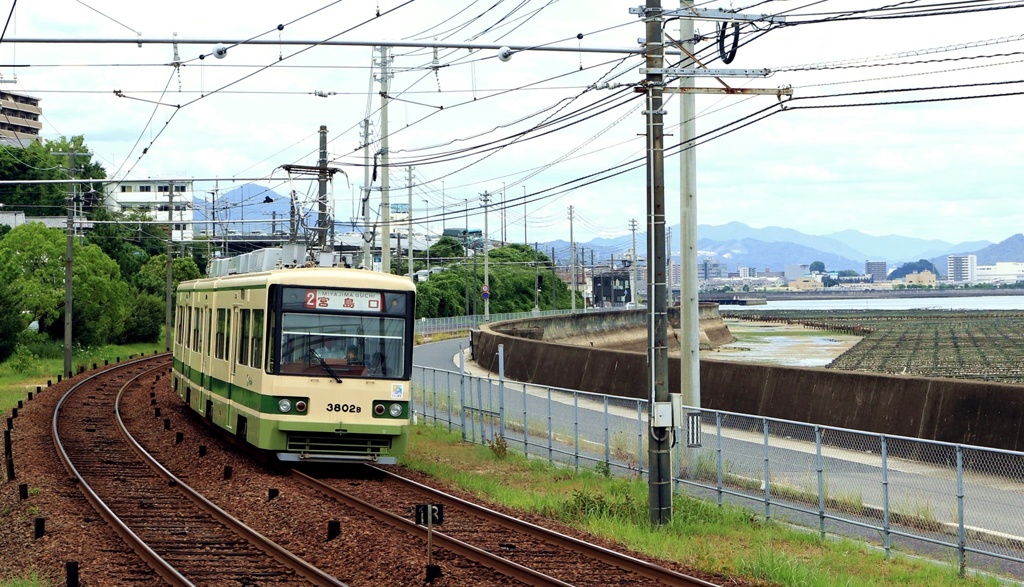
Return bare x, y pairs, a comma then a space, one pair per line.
184, 538
518, 549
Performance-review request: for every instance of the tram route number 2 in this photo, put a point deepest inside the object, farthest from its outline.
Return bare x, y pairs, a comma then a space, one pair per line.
348, 408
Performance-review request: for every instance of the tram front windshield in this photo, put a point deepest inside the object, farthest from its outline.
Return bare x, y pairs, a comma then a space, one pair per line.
354, 344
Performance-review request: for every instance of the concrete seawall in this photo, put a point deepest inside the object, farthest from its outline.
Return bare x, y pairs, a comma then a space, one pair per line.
951, 410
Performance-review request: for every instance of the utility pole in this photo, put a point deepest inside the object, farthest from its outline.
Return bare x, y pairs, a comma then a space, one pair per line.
554, 280
409, 183
504, 237
487, 245
365, 200
572, 257
426, 232
689, 309
633, 265
69, 267
660, 456
322, 220
169, 295
525, 240
536, 278
385, 195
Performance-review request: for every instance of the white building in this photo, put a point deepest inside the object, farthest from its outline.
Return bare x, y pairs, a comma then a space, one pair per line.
1001, 272
158, 200
961, 268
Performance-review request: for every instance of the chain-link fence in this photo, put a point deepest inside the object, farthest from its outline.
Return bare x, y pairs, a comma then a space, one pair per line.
906, 491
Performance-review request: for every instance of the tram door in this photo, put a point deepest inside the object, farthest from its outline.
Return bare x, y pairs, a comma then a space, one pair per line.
231, 413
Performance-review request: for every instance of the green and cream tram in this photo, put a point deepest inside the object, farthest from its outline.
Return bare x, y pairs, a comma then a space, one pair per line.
311, 363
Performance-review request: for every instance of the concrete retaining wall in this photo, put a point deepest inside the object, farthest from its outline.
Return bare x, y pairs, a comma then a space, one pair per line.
952, 410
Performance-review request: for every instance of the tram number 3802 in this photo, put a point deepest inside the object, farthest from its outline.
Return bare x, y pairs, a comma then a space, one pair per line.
349, 408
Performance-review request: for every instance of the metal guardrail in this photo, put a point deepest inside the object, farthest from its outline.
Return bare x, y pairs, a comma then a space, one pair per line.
907, 490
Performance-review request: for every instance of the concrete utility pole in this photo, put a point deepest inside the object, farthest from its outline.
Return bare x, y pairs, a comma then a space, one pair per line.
689, 309
487, 245
633, 265
69, 266
323, 222
660, 427
572, 256
169, 296
426, 233
409, 183
367, 234
385, 195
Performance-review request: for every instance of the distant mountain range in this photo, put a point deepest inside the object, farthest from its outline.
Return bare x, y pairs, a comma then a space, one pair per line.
252, 208
738, 245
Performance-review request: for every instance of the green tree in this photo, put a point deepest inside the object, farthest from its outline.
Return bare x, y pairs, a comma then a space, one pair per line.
446, 250
818, 266
115, 239
101, 300
32, 261
152, 276
145, 322
34, 162
11, 321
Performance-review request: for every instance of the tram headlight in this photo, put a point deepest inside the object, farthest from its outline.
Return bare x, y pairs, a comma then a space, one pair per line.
395, 410
284, 405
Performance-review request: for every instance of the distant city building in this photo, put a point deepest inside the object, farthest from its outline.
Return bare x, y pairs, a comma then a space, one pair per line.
1001, 272
876, 269
748, 272
924, 278
794, 272
19, 119
961, 268
803, 284
611, 288
675, 275
158, 201
710, 268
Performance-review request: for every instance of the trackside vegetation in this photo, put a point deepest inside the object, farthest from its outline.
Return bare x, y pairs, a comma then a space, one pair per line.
728, 541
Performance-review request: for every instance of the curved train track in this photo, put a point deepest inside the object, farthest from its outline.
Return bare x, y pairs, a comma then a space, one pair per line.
184, 538
533, 554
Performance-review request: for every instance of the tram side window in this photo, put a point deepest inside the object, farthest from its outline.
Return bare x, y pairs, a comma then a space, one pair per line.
244, 323
257, 339
180, 327
209, 330
222, 333
197, 331
188, 327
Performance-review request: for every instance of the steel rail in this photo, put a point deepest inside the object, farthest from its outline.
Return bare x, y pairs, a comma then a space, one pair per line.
303, 569
151, 558
611, 557
468, 551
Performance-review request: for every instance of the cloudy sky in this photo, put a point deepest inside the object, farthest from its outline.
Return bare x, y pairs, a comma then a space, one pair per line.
902, 121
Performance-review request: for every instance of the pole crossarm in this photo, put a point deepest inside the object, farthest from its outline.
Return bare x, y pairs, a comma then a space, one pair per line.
715, 14
784, 91
702, 72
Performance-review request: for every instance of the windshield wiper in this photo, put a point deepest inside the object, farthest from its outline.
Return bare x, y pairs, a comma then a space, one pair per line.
324, 364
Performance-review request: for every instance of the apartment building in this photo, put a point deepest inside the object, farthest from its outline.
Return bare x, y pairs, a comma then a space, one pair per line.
158, 200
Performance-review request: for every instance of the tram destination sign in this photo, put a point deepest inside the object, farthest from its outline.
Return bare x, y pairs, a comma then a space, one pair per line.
342, 299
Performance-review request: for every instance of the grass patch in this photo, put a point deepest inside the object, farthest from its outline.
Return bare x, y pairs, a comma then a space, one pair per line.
728, 540
31, 581
38, 360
